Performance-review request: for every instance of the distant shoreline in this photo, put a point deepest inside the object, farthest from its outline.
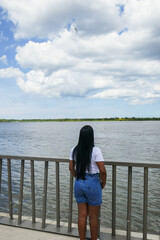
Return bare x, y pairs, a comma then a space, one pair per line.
82, 119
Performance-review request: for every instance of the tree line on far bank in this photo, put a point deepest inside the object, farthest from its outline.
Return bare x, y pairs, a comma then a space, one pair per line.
84, 119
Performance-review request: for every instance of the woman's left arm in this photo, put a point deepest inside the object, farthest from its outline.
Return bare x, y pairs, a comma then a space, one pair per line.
72, 168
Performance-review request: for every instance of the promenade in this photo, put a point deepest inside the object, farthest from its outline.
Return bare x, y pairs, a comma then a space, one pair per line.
15, 233
23, 231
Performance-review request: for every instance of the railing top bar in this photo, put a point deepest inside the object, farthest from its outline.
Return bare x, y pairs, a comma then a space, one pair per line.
133, 164
113, 163
49, 159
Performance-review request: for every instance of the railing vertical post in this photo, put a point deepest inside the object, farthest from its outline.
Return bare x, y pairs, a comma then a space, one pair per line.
33, 192
129, 203
70, 204
57, 195
145, 201
99, 223
45, 195
10, 189
0, 173
113, 200
21, 193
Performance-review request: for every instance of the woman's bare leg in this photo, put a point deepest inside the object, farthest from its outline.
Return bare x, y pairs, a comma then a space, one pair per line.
82, 219
93, 220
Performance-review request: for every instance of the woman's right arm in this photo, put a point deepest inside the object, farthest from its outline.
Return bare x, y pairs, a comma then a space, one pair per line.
103, 173
72, 168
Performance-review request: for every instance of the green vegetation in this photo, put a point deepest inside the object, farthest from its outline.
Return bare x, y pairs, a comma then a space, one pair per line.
82, 119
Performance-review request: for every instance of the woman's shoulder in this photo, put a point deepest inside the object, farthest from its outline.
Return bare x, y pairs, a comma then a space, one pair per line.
97, 154
96, 149
72, 148
71, 153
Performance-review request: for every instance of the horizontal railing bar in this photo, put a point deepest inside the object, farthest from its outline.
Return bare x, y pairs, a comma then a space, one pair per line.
134, 164
46, 159
112, 163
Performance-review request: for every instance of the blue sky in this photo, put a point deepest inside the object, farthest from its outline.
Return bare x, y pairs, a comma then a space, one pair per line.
79, 60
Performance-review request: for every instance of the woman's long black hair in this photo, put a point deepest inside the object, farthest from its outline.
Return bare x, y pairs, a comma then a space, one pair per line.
82, 152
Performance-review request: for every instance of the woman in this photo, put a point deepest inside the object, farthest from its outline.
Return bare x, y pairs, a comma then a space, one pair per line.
87, 166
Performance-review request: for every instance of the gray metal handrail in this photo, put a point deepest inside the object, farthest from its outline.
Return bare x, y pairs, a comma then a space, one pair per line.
114, 165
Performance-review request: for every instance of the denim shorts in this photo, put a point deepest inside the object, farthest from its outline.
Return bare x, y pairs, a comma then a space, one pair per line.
88, 190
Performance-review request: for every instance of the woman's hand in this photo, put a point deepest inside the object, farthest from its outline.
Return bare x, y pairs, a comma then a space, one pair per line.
103, 184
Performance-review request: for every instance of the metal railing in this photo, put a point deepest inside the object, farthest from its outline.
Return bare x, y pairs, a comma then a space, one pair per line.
69, 231
130, 166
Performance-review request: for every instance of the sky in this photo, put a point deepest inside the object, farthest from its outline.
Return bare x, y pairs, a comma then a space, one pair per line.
79, 59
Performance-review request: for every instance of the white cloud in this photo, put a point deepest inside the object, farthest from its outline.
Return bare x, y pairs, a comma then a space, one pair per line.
112, 55
139, 92
45, 18
3, 59
102, 67
10, 72
143, 14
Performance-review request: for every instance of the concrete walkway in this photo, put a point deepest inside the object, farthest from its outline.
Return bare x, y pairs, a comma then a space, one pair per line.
14, 233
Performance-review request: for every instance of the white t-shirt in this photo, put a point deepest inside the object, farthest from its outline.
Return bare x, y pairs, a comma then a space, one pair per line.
95, 157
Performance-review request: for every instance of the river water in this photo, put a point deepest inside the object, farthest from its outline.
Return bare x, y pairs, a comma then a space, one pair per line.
119, 141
